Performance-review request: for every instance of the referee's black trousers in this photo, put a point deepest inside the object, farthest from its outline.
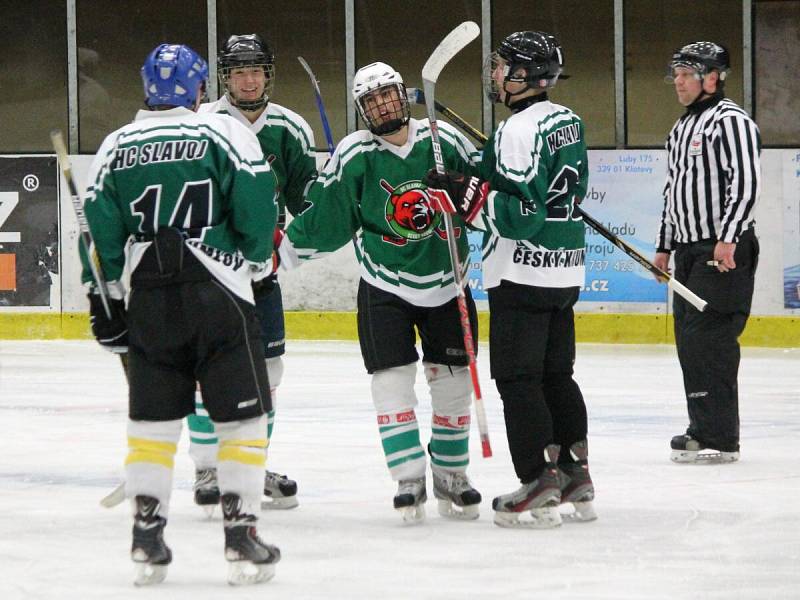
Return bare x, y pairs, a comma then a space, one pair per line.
708, 342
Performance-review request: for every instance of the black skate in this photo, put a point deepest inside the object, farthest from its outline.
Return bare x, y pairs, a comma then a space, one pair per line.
457, 498
540, 497
410, 499
206, 489
686, 449
149, 551
576, 484
280, 491
251, 560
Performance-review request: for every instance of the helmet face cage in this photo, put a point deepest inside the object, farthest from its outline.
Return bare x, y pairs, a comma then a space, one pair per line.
380, 96
490, 87
702, 58
174, 75
383, 113
246, 51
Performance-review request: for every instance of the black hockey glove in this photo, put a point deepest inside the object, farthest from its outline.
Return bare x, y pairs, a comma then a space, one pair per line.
111, 334
454, 192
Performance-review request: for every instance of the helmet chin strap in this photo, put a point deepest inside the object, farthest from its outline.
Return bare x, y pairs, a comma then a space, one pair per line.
703, 95
249, 105
389, 127
509, 99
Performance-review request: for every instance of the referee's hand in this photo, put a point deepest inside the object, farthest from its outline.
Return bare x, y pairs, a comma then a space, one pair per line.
661, 261
723, 256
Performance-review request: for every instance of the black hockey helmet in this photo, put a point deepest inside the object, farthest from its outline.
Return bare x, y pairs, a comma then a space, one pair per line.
247, 50
537, 51
702, 57
533, 57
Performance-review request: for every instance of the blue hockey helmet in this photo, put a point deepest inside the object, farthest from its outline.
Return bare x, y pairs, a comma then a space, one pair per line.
174, 75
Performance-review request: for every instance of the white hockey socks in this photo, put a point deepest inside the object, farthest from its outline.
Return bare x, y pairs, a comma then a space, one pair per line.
151, 459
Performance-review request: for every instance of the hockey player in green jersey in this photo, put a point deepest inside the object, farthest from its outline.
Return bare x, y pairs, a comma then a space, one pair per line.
193, 195
534, 170
247, 75
371, 189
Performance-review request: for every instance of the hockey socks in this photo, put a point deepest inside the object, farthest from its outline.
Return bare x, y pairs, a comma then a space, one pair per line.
405, 456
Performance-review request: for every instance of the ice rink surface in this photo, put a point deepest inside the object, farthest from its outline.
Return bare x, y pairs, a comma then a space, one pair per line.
665, 531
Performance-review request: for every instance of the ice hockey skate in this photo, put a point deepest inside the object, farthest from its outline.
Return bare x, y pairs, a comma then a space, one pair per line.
281, 492
149, 551
687, 450
576, 485
410, 499
206, 490
539, 497
457, 499
251, 560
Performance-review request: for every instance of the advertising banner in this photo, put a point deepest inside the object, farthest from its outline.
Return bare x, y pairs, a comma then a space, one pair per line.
625, 195
29, 258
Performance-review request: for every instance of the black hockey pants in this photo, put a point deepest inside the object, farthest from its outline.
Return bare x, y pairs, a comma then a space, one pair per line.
532, 352
708, 342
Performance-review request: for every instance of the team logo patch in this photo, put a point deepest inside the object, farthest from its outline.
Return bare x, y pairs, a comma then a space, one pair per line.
409, 212
696, 145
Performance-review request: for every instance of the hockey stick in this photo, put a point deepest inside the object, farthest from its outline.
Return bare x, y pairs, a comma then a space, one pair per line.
417, 96
115, 497
320, 106
85, 234
444, 52
672, 283
118, 495
324, 118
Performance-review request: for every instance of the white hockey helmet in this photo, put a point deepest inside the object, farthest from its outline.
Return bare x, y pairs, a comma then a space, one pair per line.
374, 77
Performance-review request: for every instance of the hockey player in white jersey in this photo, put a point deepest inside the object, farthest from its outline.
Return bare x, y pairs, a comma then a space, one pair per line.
246, 67
534, 169
371, 189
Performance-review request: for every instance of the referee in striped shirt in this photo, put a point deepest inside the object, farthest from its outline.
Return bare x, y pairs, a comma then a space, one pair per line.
713, 183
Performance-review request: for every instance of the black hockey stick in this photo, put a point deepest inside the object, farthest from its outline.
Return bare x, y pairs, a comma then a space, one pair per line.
417, 96
444, 52
675, 285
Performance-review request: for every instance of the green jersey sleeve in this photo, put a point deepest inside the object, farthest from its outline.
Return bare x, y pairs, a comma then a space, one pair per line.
331, 219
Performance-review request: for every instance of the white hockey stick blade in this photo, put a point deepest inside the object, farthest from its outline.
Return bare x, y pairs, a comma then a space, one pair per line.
448, 48
687, 294
115, 497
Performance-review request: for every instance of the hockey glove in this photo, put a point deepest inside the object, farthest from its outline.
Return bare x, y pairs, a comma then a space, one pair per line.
454, 192
111, 334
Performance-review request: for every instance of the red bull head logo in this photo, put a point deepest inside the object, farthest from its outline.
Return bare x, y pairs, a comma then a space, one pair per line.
409, 211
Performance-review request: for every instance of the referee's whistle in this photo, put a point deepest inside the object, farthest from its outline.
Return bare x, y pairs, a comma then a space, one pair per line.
713, 263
